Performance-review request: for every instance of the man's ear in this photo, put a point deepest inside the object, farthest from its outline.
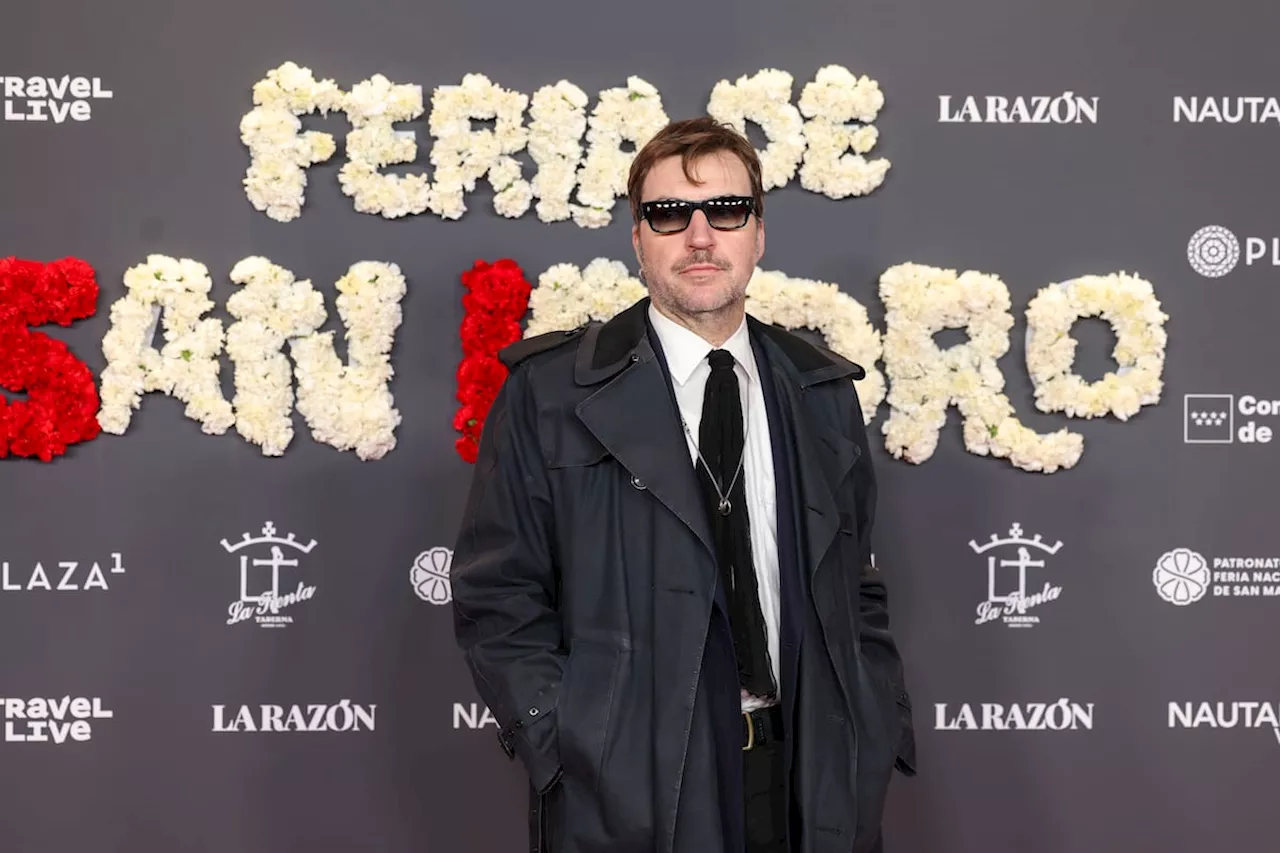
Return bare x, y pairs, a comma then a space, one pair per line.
635, 245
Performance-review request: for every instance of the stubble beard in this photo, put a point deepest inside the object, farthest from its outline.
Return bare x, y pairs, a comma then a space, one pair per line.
671, 297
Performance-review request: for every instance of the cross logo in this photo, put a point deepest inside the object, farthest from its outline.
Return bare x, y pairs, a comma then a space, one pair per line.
1008, 595
260, 595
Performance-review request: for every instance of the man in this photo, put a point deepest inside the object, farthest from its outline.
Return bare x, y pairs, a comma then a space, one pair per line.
663, 581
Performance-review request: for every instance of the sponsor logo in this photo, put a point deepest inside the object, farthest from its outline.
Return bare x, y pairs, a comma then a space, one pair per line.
1207, 418
342, 717
55, 721
1210, 419
1067, 108
1237, 110
1226, 715
1215, 251
63, 576
472, 715
430, 575
1063, 715
263, 577
55, 99
1183, 576
1014, 563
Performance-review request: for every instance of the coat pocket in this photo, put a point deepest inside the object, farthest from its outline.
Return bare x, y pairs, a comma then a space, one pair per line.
586, 708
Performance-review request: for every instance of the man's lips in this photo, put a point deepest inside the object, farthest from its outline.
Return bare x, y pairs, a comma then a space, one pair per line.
701, 268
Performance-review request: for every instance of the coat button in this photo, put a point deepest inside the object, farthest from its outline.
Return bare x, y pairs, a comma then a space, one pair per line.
638, 483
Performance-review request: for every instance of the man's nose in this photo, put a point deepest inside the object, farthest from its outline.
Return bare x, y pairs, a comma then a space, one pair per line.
700, 234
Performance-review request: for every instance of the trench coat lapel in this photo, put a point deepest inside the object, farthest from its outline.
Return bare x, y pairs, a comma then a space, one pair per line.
824, 455
634, 416
824, 458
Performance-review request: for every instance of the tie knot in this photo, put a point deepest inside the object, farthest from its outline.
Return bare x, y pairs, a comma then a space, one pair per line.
720, 359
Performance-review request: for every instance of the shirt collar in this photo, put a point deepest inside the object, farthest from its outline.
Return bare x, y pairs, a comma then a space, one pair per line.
685, 349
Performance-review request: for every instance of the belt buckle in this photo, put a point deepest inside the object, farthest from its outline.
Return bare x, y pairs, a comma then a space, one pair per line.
751, 732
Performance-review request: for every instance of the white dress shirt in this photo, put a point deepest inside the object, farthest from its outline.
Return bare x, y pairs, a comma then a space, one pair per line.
686, 355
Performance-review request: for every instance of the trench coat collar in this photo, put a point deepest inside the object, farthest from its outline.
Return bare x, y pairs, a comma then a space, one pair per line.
609, 347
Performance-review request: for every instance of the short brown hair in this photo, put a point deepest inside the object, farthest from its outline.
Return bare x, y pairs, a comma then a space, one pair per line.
692, 139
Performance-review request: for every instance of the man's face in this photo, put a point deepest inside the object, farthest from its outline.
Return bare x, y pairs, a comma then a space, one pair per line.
699, 270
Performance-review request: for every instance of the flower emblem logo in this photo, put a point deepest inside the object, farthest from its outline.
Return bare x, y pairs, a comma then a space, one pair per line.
1181, 576
430, 575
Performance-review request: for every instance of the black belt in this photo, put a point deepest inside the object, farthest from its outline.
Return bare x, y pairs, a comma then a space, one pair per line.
761, 726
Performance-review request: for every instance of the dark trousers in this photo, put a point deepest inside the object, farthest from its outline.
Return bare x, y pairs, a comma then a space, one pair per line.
764, 795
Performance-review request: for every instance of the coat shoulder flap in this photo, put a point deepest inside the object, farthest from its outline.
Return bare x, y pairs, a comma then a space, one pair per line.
811, 357
829, 358
857, 371
513, 354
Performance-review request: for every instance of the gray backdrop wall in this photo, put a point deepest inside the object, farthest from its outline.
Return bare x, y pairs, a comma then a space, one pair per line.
166, 760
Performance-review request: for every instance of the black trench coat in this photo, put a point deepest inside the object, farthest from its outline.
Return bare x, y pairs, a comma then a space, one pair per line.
583, 584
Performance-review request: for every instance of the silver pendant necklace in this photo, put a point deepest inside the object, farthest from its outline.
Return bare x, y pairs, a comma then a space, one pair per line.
725, 506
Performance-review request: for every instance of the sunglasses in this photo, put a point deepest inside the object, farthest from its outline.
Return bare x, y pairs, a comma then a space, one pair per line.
725, 213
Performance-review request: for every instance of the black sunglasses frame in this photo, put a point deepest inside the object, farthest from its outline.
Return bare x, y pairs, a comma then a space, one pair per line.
707, 206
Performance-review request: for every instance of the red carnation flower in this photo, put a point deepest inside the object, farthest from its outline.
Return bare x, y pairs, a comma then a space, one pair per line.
497, 297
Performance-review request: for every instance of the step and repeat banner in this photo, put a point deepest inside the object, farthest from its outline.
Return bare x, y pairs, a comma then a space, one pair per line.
257, 258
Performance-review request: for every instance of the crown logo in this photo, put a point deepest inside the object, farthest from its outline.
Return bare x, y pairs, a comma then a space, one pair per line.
268, 537
1015, 538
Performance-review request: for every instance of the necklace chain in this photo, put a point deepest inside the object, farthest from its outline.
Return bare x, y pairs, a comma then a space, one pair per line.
725, 506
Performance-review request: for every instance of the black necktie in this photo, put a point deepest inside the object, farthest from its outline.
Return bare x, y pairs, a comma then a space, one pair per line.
720, 443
